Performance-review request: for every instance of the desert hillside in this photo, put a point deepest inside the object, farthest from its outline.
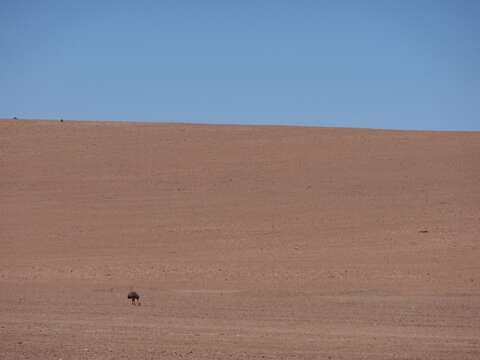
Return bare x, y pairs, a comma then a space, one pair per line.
244, 242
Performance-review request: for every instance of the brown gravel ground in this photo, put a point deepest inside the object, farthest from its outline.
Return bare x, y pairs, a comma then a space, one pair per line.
245, 242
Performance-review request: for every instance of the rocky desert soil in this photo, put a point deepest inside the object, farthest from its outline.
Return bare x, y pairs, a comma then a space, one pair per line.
244, 242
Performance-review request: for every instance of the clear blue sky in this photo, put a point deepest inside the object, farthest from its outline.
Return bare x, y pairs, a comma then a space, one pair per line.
384, 64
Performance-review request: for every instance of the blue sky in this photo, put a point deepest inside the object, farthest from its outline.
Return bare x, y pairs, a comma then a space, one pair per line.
381, 64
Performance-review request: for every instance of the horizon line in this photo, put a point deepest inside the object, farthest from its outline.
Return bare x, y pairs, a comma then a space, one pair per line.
252, 123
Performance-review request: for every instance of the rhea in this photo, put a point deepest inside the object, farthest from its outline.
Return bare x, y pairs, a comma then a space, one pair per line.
133, 295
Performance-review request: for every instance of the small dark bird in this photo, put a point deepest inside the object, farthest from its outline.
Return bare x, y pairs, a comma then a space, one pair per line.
133, 295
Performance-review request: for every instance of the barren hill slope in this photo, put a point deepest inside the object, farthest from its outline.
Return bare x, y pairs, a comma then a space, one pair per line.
244, 242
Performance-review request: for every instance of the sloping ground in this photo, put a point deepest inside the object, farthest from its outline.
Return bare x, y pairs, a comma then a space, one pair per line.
244, 242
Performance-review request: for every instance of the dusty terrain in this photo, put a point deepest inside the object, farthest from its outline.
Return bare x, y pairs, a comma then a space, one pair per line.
244, 242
